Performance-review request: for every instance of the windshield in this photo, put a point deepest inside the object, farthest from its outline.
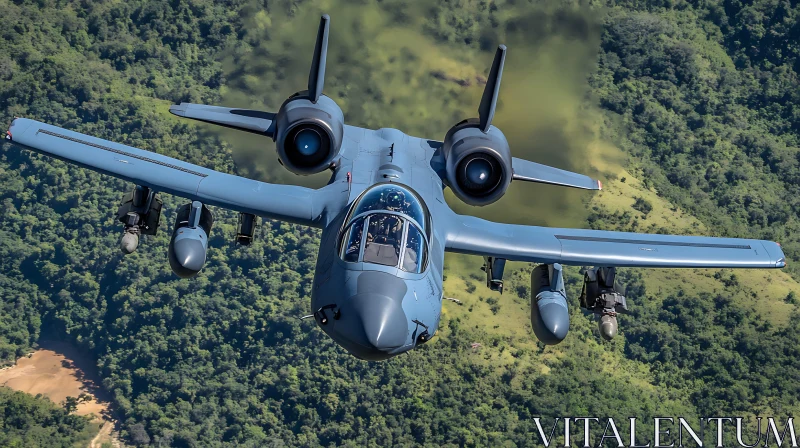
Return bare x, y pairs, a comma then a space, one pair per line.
392, 197
353, 248
391, 238
415, 253
384, 237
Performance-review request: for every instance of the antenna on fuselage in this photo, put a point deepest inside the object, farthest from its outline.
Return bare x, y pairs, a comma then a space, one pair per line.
492, 90
316, 79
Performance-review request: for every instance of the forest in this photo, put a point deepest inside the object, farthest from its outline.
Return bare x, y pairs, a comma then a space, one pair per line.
698, 100
27, 420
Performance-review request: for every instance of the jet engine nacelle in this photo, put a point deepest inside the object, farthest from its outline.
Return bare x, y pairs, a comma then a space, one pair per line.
549, 312
478, 164
308, 135
189, 243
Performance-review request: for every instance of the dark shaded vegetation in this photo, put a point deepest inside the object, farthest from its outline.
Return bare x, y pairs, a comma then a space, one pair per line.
28, 421
702, 96
643, 205
710, 336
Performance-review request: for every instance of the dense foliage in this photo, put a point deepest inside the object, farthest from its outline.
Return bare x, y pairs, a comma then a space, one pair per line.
702, 96
28, 421
710, 103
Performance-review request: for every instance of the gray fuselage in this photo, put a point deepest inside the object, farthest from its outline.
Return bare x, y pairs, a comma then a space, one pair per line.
372, 310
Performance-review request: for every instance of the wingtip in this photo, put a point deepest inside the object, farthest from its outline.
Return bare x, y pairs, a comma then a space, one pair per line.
18, 126
178, 109
8, 132
599, 186
781, 263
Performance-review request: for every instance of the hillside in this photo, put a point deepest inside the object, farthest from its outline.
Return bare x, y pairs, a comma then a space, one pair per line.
686, 110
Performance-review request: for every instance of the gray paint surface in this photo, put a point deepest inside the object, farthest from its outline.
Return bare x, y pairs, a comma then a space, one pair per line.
376, 311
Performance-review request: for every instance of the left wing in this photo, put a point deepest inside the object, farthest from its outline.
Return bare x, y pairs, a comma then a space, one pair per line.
475, 236
283, 202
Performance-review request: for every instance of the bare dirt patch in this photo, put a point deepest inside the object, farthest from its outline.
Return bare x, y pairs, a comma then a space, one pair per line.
58, 370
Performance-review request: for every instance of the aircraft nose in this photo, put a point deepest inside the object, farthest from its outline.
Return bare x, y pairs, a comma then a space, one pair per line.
385, 325
374, 322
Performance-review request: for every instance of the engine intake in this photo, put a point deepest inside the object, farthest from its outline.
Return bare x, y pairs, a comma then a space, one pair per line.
309, 135
478, 164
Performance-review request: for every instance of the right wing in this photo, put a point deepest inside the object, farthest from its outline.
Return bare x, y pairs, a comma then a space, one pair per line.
283, 202
475, 236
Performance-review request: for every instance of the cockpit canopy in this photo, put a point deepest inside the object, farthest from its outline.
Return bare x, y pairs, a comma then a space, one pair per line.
396, 221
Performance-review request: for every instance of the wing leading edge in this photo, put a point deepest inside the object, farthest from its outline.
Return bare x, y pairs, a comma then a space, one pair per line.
475, 236
283, 202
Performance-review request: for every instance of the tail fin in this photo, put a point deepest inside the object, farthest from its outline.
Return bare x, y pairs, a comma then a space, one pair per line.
316, 79
492, 89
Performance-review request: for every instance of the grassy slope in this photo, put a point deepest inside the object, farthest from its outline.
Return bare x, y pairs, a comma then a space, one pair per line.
762, 289
506, 337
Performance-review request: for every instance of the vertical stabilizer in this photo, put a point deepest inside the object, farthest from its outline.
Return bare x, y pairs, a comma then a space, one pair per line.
316, 79
489, 99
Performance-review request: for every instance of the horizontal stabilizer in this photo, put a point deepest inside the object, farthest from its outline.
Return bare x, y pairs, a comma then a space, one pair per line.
254, 121
536, 172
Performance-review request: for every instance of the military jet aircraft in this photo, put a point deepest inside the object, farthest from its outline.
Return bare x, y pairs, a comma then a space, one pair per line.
377, 289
